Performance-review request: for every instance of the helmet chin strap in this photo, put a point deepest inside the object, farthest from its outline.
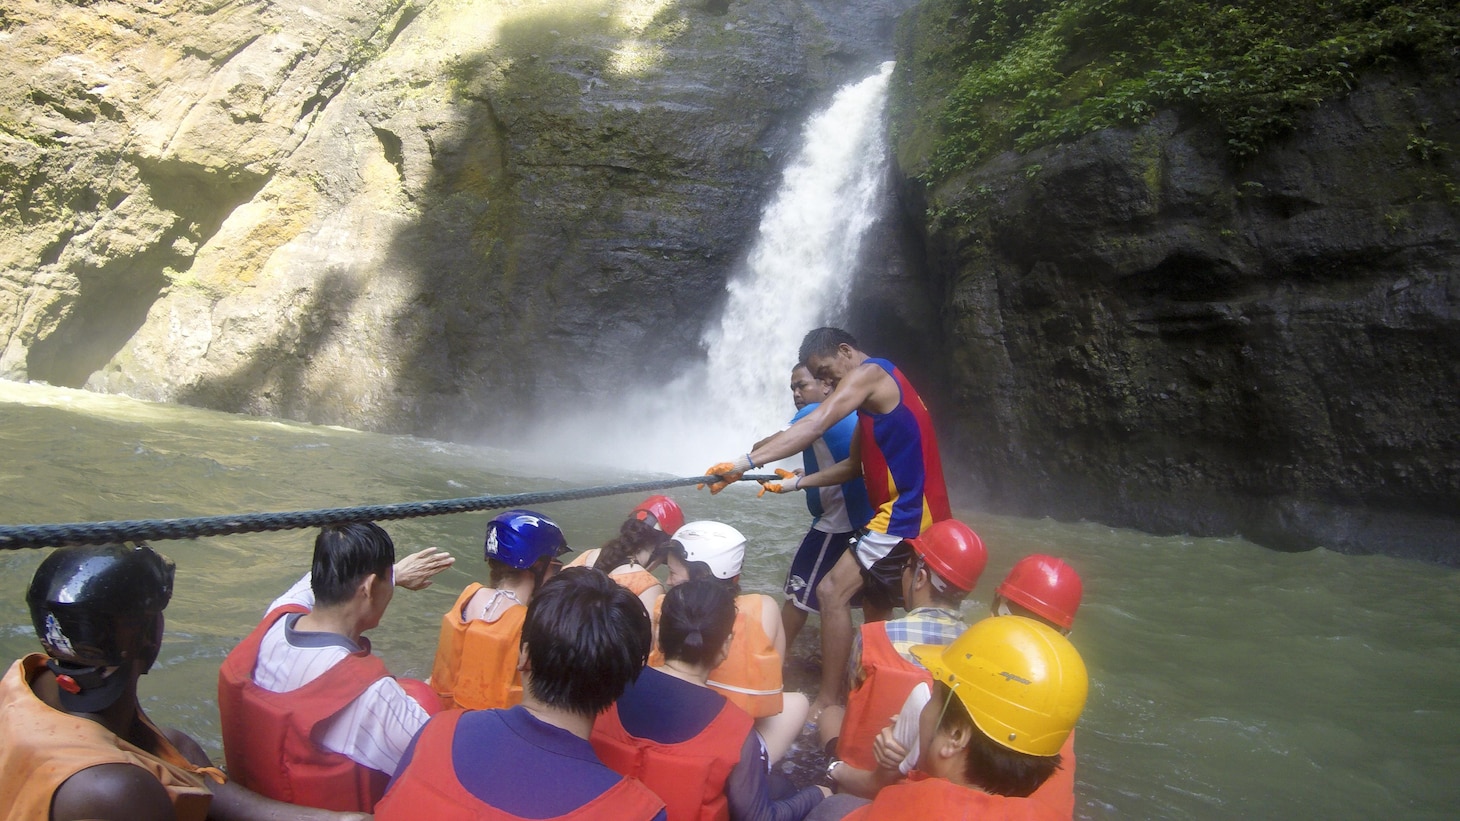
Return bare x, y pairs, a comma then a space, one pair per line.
87, 689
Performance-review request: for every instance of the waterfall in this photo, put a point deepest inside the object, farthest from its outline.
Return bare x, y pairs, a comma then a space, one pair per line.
796, 277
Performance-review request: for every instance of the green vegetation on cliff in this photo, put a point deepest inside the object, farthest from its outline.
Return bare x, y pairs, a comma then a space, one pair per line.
991, 75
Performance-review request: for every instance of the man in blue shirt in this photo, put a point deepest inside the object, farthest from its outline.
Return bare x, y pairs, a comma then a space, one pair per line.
584, 640
837, 512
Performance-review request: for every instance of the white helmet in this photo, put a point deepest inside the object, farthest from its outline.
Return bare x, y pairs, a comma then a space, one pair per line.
717, 544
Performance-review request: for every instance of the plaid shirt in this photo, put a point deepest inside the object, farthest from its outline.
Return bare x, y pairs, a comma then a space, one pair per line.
924, 625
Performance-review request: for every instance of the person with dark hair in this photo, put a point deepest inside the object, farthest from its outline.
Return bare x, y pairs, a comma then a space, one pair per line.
309, 714
1039, 587
697, 751
895, 452
476, 654
837, 511
630, 558
584, 640
942, 569
74, 740
1007, 695
750, 676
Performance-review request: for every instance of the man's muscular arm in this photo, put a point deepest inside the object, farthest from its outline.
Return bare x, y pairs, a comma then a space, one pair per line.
853, 391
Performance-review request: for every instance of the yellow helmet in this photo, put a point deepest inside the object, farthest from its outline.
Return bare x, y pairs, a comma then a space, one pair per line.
1023, 683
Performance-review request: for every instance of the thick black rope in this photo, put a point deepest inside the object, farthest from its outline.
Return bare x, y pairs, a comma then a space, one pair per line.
19, 537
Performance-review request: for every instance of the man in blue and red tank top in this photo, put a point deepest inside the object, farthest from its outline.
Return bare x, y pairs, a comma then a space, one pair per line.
896, 454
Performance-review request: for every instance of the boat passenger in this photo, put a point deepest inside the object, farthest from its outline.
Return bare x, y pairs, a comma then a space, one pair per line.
1007, 694
750, 677
686, 742
476, 654
943, 568
583, 641
1039, 587
895, 452
838, 512
309, 714
74, 740
629, 559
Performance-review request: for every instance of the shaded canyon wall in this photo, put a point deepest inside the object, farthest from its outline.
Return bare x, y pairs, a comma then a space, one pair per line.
1143, 332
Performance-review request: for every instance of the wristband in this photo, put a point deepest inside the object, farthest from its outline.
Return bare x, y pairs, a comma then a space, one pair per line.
743, 464
796, 485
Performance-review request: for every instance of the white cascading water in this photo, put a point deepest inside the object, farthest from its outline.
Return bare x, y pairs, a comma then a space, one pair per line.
796, 277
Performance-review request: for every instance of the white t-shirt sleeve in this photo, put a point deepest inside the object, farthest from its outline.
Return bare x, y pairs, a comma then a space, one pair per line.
301, 593
376, 728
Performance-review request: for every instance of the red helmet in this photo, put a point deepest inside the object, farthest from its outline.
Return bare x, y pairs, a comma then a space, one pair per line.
953, 551
662, 512
1046, 586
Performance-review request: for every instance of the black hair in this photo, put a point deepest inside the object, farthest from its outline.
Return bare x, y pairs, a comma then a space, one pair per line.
824, 342
701, 572
587, 639
696, 619
989, 765
633, 536
343, 555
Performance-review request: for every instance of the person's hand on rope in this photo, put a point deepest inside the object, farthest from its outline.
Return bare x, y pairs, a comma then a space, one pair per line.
725, 473
414, 572
778, 487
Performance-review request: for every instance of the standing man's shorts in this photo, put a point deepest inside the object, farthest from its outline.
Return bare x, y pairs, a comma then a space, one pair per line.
815, 558
881, 559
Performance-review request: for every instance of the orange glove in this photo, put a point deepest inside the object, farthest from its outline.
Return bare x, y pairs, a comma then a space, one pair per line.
777, 487
718, 470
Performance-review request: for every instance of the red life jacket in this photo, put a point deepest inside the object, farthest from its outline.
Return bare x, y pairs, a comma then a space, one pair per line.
1058, 791
476, 661
925, 799
268, 737
429, 788
690, 776
887, 680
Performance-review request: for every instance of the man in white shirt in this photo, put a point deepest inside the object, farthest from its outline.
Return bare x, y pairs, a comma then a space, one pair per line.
307, 711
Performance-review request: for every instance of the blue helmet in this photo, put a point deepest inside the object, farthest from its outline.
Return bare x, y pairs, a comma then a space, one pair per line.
518, 538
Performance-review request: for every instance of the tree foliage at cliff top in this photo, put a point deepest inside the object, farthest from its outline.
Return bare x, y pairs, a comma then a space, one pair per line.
1024, 73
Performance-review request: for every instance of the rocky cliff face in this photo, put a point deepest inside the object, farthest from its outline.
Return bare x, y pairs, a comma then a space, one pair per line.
1145, 333
410, 215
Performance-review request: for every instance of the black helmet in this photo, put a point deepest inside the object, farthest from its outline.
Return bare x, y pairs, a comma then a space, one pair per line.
101, 606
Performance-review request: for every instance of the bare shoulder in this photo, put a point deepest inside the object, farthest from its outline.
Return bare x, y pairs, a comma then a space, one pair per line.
876, 387
112, 791
770, 615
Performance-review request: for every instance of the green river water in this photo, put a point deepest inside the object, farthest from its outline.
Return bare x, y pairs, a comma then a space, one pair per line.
1226, 680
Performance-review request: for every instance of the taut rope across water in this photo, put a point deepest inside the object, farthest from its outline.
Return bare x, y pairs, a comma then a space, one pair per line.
19, 537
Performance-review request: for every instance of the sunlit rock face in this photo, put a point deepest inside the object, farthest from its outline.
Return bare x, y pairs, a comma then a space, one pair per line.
413, 216
1143, 331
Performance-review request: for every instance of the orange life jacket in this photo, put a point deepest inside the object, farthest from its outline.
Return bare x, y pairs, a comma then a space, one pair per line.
635, 581
887, 679
41, 747
429, 788
1058, 791
750, 676
268, 738
476, 661
690, 776
923, 799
